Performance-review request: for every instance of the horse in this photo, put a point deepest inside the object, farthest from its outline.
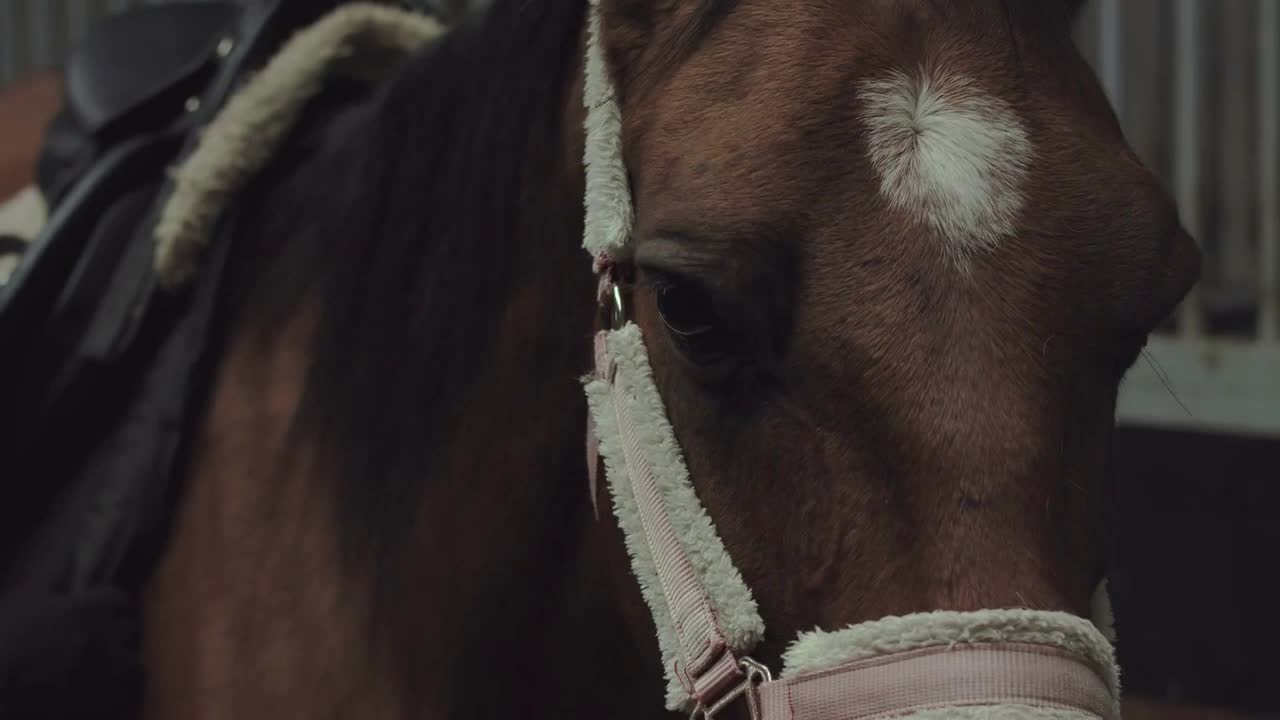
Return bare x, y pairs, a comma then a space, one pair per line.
26, 108
890, 260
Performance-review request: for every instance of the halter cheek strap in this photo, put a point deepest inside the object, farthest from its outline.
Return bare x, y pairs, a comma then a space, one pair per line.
704, 613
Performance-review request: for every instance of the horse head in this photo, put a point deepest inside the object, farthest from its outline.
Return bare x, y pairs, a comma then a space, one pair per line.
891, 261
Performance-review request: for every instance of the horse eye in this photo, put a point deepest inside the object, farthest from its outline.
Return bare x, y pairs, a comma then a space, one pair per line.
692, 321
685, 309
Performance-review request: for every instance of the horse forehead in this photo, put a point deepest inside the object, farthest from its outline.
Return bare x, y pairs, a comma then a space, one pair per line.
944, 147
941, 124
948, 151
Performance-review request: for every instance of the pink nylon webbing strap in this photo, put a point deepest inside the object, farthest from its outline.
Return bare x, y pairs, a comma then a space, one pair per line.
969, 675
706, 667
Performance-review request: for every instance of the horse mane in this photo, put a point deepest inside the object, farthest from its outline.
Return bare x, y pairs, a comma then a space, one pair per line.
399, 227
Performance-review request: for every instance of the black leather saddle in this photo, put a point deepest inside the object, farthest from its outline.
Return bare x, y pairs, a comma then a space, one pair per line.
101, 373
98, 365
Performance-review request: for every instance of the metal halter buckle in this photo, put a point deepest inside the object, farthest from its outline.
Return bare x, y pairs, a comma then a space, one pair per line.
756, 675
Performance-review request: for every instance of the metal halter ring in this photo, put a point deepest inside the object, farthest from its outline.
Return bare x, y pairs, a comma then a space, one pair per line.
756, 675
618, 311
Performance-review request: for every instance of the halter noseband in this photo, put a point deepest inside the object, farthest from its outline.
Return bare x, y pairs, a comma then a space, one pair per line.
1009, 664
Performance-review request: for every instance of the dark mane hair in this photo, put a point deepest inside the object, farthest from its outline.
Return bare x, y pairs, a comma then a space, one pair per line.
402, 225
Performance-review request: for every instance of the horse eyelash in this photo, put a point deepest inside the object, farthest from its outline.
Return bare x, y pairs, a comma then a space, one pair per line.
651, 282
661, 279
648, 276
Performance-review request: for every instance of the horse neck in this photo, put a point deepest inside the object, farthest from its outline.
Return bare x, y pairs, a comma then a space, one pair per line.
542, 623
533, 613
489, 596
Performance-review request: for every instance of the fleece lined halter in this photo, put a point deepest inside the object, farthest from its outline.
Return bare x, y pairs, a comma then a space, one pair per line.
999, 664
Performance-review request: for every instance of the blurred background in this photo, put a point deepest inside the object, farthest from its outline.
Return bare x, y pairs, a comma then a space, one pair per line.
1195, 83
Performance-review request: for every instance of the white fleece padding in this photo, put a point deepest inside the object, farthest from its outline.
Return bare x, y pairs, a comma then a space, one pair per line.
818, 650
609, 213
359, 39
997, 712
1103, 617
8, 263
24, 214
21, 216
729, 595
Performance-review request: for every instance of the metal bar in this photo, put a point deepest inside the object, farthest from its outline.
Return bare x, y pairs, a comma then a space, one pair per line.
1186, 133
1223, 385
1230, 53
1268, 74
42, 40
79, 14
1111, 53
8, 44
